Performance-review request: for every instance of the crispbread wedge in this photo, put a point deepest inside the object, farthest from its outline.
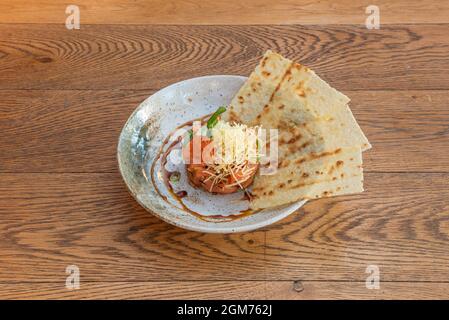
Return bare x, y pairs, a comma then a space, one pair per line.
320, 142
325, 103
256, 91
319, 175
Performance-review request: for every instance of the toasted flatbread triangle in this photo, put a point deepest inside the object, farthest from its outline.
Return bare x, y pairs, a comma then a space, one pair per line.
326, 104
256, 91
320, 143
325, 174
253, 104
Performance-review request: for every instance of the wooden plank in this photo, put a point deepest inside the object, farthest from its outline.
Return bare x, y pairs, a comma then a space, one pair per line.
253, 290
356, 290
400, 223
407, 57
49, 221
77, 131
65, 131
224, 12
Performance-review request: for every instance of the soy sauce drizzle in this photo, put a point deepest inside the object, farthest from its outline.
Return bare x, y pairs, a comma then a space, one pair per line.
181, 194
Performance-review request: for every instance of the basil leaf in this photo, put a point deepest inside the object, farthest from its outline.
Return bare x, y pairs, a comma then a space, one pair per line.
189, 138
214, 118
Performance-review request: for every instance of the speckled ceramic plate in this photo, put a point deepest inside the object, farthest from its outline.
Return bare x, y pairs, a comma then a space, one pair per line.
144, 138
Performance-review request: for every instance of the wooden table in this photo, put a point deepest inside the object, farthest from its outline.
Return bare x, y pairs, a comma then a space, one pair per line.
65, 95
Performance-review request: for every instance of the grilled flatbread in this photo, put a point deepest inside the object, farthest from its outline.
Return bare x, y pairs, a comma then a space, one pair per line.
319, 143
256, 91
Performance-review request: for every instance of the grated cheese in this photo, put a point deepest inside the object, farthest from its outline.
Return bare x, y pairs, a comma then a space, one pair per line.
235, 147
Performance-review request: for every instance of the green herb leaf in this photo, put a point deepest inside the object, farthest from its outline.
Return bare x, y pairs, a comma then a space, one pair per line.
214, 118
174, 177
189, 137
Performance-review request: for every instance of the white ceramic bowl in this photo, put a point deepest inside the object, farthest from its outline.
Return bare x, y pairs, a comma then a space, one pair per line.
141, 140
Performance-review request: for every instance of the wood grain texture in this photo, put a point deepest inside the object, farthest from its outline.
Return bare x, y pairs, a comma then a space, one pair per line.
400, 223
65, 95
224, 290
224, 12
49, 221
77, 131
400, 57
